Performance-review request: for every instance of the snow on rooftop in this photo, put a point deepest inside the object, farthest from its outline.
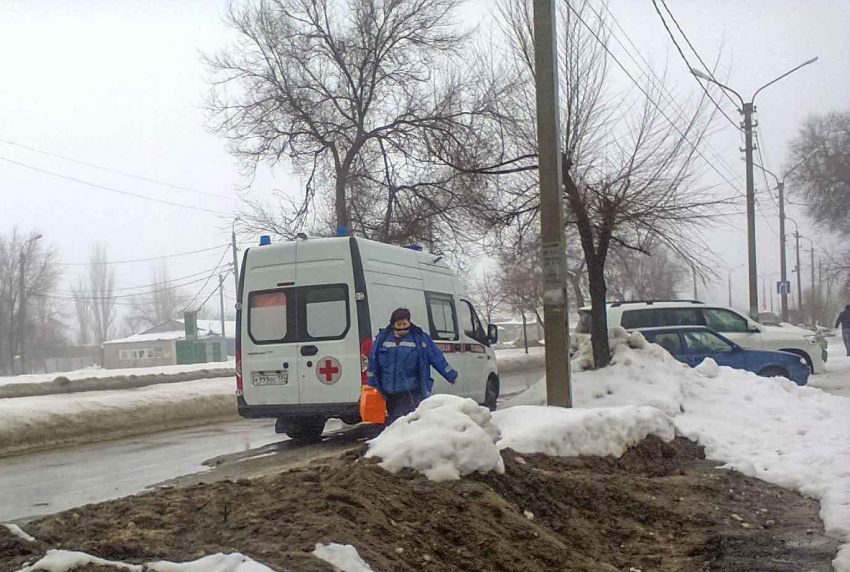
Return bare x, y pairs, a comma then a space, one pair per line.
153, 337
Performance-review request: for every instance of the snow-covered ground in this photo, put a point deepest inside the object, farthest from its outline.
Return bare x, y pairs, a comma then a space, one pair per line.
94, 372
771, 429
836, 380
344, 558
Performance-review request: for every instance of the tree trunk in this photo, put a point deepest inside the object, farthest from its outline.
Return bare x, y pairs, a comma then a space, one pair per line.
339, 200
575, 282
598, 313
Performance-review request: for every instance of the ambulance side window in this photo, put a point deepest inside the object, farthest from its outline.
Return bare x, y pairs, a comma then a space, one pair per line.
441, 316
471, 324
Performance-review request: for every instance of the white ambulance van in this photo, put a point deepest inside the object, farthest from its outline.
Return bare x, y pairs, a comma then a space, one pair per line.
308, 311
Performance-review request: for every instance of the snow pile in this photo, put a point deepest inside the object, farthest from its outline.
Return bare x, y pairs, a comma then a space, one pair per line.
66, 560
445, 438
640, 374
573, 432
768, 428
29, 423
343, 557
95, 372
214, 563
16, 530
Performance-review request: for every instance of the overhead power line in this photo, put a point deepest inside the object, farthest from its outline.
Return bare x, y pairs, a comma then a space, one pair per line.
696, 53
115, 171
651, 101
170, 282
111, 189
154, 258
656, 80
213, 273
687, 63
121, 296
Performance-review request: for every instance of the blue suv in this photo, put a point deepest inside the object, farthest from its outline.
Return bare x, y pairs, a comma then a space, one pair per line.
692, 344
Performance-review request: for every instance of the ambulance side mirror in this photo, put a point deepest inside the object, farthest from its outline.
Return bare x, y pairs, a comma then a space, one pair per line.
492, 333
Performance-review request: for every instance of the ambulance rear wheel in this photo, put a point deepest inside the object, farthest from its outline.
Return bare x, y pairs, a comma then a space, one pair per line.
301, 429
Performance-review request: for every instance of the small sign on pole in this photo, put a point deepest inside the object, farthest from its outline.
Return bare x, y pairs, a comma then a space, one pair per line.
783, 287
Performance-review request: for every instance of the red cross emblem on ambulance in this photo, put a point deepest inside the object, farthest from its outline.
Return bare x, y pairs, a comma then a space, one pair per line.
328, 370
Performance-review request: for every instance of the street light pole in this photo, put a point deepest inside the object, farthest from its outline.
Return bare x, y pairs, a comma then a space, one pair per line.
553, 245
22, 308
235, 261
747, 109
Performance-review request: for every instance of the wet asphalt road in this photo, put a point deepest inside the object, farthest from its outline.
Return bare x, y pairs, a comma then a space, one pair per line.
49, 482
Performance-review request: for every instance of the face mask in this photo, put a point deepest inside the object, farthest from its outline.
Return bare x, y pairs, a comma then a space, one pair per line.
401, 333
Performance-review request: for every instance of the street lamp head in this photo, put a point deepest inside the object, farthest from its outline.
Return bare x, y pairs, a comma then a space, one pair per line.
701, 75
811, 61
35, 237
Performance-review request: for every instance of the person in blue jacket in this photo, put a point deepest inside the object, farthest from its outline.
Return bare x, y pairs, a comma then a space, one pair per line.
400, 364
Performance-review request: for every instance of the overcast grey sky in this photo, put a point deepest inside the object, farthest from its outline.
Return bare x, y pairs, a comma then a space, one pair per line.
120, 84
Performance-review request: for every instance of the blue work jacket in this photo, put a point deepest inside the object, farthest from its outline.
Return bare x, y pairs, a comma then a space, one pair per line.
406, 366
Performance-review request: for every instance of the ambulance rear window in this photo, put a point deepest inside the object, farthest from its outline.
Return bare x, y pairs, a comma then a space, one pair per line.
267, 316
327, 311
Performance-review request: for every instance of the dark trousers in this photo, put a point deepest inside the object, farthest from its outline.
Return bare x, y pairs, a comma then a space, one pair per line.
845, 333
400, 404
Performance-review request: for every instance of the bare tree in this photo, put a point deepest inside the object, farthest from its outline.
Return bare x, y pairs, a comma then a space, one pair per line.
164, 302
633, 275
352, 92
822, 147
628, 168
101, 286
82, 312
23, 261
487, 292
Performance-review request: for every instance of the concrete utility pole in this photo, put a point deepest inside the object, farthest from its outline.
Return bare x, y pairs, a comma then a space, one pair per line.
221, 304
751, 211
780, 188
729, 281
747, 109
783, 265
694, 271
22, 308
797, 269
553, 247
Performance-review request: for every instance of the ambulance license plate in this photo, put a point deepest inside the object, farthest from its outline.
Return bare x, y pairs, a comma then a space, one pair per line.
271, 378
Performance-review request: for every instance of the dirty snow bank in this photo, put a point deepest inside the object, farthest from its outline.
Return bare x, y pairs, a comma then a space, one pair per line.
99, 372
574, 432
31, 423
344, 558
445, 438
771, 429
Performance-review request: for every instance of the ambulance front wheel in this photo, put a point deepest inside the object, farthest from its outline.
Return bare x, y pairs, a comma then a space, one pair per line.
491, 393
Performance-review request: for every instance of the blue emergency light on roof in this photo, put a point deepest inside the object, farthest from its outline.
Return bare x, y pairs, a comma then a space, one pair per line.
265, 240
342, 231
416, 247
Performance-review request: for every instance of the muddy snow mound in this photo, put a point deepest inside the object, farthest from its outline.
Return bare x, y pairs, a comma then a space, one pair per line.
768, 428
446, 438
573, 432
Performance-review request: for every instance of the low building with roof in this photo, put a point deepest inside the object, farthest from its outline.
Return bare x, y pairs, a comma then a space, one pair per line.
166, 344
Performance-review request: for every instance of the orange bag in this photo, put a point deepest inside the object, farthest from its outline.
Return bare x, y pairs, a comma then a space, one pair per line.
373, 408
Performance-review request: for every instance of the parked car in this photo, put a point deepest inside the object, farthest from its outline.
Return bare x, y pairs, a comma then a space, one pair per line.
692, 344
308, 312
738, 328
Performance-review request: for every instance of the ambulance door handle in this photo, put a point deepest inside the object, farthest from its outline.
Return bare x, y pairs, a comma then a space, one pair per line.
309, 350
